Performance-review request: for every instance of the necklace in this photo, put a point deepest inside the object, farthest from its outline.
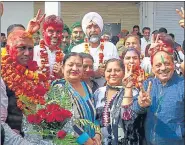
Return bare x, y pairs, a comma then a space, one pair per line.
101, 48
106, 109
45, 68
29, 86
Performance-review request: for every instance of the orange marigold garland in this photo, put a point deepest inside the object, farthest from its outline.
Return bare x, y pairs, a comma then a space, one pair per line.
24, 82
101, 48
136, 73
45, 62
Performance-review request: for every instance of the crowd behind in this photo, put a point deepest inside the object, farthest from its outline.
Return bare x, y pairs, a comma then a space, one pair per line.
131, 85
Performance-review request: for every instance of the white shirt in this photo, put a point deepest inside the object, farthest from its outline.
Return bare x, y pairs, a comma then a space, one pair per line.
51, 56
146, 65
144, 43
109, 52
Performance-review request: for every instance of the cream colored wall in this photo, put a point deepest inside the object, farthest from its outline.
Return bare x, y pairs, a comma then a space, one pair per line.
126, 13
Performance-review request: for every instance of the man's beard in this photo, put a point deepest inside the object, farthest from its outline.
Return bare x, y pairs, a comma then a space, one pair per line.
94, 38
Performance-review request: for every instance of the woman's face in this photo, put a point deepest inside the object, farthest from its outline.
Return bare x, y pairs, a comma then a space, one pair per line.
131, 58
114, 73
73, 69
133, 42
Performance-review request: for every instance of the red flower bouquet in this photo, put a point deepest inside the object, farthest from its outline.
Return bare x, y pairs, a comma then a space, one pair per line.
51, 118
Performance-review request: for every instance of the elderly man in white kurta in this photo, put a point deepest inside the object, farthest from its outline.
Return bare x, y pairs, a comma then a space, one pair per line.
92, 25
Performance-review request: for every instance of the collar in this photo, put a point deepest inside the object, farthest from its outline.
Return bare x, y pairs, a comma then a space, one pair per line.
171, 81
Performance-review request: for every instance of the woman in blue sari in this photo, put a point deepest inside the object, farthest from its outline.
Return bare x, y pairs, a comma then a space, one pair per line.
80, 93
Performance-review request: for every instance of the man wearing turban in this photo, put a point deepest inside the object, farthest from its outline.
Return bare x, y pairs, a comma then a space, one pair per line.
92, 25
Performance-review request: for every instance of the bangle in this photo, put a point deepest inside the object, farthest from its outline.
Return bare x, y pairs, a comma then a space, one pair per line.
99, 135
127, 97
128, 87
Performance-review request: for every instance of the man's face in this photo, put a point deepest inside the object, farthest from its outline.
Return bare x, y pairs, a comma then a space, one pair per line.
135, 31
3, 39
163, 66
77, 34
36, 39
53, 36
65, 39
146, 34
93, 30
106, 38
22, 50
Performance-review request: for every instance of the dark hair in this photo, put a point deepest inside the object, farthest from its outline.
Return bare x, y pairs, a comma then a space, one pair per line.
52, 19
155, 32
66, 28
130, 49
3, 34
145, 28
163, 30
136, 26
86, 55
172, 35
183, 45
67, 56
167, 39
114, 39
132, 35
119, 61
38, 32
11, 27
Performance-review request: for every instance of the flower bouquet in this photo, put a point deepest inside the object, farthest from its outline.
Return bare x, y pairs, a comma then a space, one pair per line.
54, 120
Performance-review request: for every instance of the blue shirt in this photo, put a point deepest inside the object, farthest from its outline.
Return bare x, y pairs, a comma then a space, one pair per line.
164, 124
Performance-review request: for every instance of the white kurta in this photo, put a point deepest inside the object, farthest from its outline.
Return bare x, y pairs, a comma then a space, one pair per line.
144, 43
109, 52
51, 57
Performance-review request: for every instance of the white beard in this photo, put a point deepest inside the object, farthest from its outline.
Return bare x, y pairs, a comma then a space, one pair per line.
94, 38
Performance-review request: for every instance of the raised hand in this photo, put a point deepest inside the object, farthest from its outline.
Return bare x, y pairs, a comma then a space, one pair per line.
144, 99
34, 24
181, 14
128, 79
154, 44
141, 76
57, 69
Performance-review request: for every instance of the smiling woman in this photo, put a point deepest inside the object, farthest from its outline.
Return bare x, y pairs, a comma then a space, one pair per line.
83, 106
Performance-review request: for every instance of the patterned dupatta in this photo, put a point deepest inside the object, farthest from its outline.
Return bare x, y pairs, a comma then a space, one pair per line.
83, 106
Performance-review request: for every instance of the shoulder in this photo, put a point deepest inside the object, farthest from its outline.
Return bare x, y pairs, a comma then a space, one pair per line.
100, 90
109, 45
37, 47
153, 80
58, 82
78, 48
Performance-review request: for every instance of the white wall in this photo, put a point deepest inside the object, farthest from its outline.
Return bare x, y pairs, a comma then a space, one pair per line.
162, 14
16, 13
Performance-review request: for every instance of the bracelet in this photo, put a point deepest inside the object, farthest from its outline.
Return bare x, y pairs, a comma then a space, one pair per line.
128, 87
99, 135
127, 96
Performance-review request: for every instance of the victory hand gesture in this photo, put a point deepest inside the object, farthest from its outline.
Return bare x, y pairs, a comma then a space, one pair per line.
181, 14
34, 24
128, 79
144, 99
154, 44
141, 76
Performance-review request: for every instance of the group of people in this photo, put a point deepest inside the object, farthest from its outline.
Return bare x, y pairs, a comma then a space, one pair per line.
133, 102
